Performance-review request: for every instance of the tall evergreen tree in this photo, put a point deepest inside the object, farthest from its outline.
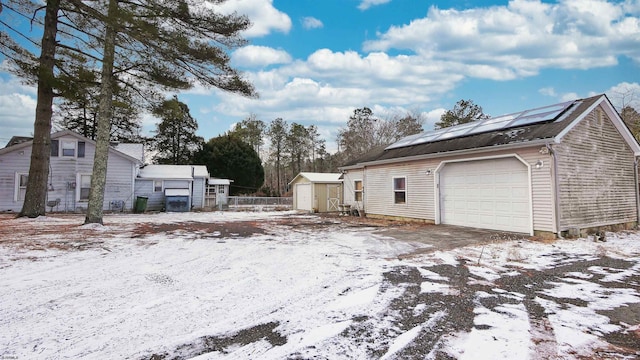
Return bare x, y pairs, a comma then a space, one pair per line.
169, 43
36, 192
229, 157
175, 140
297, 146
359, 136
251, 130
277, 134
103, 128
78, 105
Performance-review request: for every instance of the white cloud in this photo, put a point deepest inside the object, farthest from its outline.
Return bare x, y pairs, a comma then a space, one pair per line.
517, 40
257, 56
548, 91
309, 22
17, 108
365, 4
265, 18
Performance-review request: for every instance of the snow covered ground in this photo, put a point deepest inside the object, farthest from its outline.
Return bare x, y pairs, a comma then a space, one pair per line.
276, 285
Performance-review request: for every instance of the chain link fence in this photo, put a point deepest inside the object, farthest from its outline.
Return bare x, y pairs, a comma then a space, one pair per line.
257, 203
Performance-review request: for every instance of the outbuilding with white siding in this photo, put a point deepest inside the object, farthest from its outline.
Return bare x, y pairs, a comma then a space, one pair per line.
562, 168
317, 192
153, 181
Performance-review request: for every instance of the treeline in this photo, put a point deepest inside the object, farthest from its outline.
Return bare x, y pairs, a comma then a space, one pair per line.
288, 148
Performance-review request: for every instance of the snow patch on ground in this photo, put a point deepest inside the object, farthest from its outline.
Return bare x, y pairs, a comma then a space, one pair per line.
114, 294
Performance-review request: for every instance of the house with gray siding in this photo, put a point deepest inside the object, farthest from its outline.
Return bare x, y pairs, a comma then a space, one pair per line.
561, 169
70, 173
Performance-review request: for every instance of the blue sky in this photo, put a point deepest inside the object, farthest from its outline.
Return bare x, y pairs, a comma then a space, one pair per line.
315, 61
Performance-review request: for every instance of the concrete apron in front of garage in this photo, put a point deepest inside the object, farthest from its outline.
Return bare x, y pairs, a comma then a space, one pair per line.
448, 237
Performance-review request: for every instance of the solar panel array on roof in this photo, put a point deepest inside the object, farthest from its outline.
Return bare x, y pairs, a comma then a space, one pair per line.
527, 117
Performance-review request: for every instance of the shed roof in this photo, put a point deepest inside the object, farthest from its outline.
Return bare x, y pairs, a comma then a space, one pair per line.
319, 177
216, 181
173, 172
545, 129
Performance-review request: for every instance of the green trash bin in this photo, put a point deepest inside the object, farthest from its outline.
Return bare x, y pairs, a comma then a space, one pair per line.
141, 204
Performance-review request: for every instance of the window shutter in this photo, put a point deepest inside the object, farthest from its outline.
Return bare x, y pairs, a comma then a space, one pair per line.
54, 147
81, 149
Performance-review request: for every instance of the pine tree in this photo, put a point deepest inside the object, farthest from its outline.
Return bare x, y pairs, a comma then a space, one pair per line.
175, 140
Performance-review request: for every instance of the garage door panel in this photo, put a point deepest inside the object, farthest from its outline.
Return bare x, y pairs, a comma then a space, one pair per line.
492, 194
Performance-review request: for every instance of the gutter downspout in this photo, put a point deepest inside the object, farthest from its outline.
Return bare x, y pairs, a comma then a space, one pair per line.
556, 186
635, 176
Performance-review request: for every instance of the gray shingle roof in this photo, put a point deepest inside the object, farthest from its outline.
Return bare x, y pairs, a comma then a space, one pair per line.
546, 129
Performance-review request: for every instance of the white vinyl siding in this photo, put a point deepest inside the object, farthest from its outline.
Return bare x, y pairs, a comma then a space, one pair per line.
596, 175
197, 194
421, 184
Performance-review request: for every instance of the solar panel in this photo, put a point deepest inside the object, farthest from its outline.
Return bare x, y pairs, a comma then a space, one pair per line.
518, 119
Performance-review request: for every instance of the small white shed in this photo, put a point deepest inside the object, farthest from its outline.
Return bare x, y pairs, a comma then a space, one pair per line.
317, 192
217, 192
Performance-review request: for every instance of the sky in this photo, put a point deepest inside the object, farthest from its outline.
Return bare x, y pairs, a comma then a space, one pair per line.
314, 62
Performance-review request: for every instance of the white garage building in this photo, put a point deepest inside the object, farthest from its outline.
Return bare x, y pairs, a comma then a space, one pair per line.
557, 169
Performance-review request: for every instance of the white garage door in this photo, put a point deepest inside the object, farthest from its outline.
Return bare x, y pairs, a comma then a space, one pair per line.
303, 197
489, 194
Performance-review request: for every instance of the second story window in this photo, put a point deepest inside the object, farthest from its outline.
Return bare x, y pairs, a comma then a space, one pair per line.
68, 148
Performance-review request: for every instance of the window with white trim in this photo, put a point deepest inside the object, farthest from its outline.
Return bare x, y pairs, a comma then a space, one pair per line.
220, 189
157, 185
400, 190
68, 148
357, 190
84, 187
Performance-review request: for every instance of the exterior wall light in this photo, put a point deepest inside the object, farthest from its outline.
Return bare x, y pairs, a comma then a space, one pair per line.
539, 164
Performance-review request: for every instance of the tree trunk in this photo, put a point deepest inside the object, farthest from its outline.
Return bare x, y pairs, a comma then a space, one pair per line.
35, 200
99, 176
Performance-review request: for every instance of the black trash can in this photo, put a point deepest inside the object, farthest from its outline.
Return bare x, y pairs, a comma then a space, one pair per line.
141, 204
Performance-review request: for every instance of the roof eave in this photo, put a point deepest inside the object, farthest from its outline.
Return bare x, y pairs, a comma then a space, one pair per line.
485, 149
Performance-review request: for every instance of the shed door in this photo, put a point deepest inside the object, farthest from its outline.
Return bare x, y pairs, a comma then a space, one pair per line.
333, 197
489, 194
303, 197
